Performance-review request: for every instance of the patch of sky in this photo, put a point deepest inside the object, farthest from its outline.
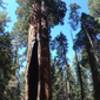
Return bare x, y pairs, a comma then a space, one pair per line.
11, 9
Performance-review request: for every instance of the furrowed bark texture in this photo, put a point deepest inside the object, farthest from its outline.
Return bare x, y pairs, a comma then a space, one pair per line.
38, 72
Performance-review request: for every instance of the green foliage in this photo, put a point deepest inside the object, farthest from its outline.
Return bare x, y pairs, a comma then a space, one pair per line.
94, 7
60, 45
61, 73
84, 59
84, 44
56, 82
8, 83
89, 23
74, 16
3, 21
6, 65
55, 14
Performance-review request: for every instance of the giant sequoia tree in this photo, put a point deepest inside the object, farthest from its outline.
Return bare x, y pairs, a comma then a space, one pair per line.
45, 14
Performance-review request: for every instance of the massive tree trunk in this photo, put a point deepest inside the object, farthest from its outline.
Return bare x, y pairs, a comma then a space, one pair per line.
33, 74
38, 83
44, 58
44, 70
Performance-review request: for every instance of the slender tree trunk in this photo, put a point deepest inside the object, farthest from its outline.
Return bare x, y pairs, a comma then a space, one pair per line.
80, 77
79, 72
67, 82
92, 47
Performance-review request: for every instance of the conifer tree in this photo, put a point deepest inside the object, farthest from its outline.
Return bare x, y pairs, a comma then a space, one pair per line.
44, 16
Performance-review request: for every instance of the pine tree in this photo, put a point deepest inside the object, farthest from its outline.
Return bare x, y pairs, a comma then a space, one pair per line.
91, 29
94, 8
60, 45
7, 68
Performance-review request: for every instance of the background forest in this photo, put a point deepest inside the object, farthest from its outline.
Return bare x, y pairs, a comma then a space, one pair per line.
74, 58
